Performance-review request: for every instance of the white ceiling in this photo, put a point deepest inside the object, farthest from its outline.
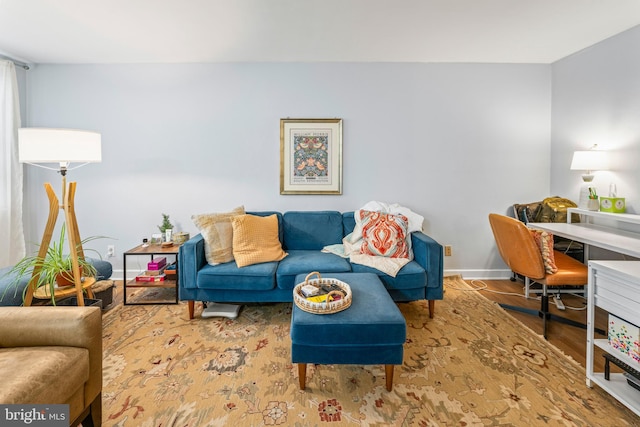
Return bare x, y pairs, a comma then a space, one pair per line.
170, 31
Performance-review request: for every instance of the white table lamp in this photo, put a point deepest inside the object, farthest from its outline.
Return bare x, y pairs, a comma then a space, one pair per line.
588, 161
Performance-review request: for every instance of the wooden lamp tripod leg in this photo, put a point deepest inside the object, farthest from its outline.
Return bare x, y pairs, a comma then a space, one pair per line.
54, 208
75, 245
73, 235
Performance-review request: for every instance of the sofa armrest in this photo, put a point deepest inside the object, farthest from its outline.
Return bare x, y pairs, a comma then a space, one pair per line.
191, 258
57, 326
429, 254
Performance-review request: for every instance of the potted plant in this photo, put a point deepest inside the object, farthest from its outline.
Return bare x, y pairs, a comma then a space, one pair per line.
55, 268
166, 228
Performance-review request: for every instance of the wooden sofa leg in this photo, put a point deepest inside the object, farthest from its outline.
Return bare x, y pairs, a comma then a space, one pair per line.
192, 305
91, 416
388, 372
302, 375
96, 411
432, 308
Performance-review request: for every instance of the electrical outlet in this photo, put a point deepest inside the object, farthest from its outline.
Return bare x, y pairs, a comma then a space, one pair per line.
447, 250
111, 251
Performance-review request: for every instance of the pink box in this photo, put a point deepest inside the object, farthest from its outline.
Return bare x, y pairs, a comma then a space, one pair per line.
157, 263
624, 337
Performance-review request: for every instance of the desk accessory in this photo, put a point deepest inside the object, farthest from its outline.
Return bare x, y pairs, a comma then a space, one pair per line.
612, 204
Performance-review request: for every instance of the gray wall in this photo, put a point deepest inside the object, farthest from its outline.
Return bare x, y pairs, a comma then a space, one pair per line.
452, 142
596, 100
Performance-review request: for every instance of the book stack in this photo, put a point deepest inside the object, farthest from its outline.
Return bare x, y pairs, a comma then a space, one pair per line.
155, 271
171, 271
157, 263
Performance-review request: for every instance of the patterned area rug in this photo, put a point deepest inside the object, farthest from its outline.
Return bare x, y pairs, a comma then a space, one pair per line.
472, 365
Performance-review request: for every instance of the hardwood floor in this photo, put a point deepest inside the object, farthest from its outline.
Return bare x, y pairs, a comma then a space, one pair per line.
571, 340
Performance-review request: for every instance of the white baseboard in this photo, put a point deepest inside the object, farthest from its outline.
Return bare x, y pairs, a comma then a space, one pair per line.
117, 274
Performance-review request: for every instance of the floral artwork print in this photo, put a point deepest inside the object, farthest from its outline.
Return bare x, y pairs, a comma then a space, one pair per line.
311, 156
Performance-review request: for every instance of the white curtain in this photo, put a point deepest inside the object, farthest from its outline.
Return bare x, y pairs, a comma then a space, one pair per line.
12, 245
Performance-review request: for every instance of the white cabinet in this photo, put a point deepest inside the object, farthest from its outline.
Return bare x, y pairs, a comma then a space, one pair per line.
614, 286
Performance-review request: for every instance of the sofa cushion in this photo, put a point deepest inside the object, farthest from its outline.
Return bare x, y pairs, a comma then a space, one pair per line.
42, 374
410, 276
104, 269
257, 277
304, 262
348, 222
255, 240
311, 230
10, 292
218, 234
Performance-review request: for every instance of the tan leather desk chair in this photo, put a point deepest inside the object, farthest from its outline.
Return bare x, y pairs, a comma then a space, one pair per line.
520, 252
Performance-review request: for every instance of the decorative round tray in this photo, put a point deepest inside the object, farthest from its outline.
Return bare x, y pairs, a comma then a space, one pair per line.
330, 305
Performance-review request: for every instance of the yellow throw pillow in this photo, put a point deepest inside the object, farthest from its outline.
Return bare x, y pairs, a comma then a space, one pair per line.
255, 239
217, 231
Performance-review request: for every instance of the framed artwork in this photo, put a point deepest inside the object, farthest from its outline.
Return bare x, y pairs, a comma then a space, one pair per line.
310, 156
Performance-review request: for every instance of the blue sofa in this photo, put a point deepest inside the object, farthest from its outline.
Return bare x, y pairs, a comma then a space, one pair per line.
303, 234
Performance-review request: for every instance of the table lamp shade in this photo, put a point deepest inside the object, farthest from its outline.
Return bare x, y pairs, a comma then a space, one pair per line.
592, 160
45, 145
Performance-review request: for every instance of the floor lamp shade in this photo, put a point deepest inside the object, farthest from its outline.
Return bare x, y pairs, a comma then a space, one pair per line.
46, 145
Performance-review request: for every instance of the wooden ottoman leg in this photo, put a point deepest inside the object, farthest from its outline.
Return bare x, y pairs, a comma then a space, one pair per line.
388, 371
302, 374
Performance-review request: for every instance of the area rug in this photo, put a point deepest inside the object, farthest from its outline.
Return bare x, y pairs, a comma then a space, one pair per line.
472, 365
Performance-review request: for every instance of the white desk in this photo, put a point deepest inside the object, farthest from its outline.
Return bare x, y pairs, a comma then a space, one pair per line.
606, 237
609, 238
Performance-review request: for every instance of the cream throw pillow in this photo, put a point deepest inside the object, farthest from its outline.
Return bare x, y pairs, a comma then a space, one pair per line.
217, 232
255, 239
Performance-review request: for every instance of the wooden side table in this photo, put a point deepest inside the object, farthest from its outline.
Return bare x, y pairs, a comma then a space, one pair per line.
150, 251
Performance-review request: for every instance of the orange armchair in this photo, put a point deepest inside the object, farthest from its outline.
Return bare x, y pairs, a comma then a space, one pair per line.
520, 252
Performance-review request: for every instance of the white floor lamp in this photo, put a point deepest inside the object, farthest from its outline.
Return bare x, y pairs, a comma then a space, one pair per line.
38, 146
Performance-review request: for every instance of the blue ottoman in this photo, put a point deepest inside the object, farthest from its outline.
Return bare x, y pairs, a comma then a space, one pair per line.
372, 331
